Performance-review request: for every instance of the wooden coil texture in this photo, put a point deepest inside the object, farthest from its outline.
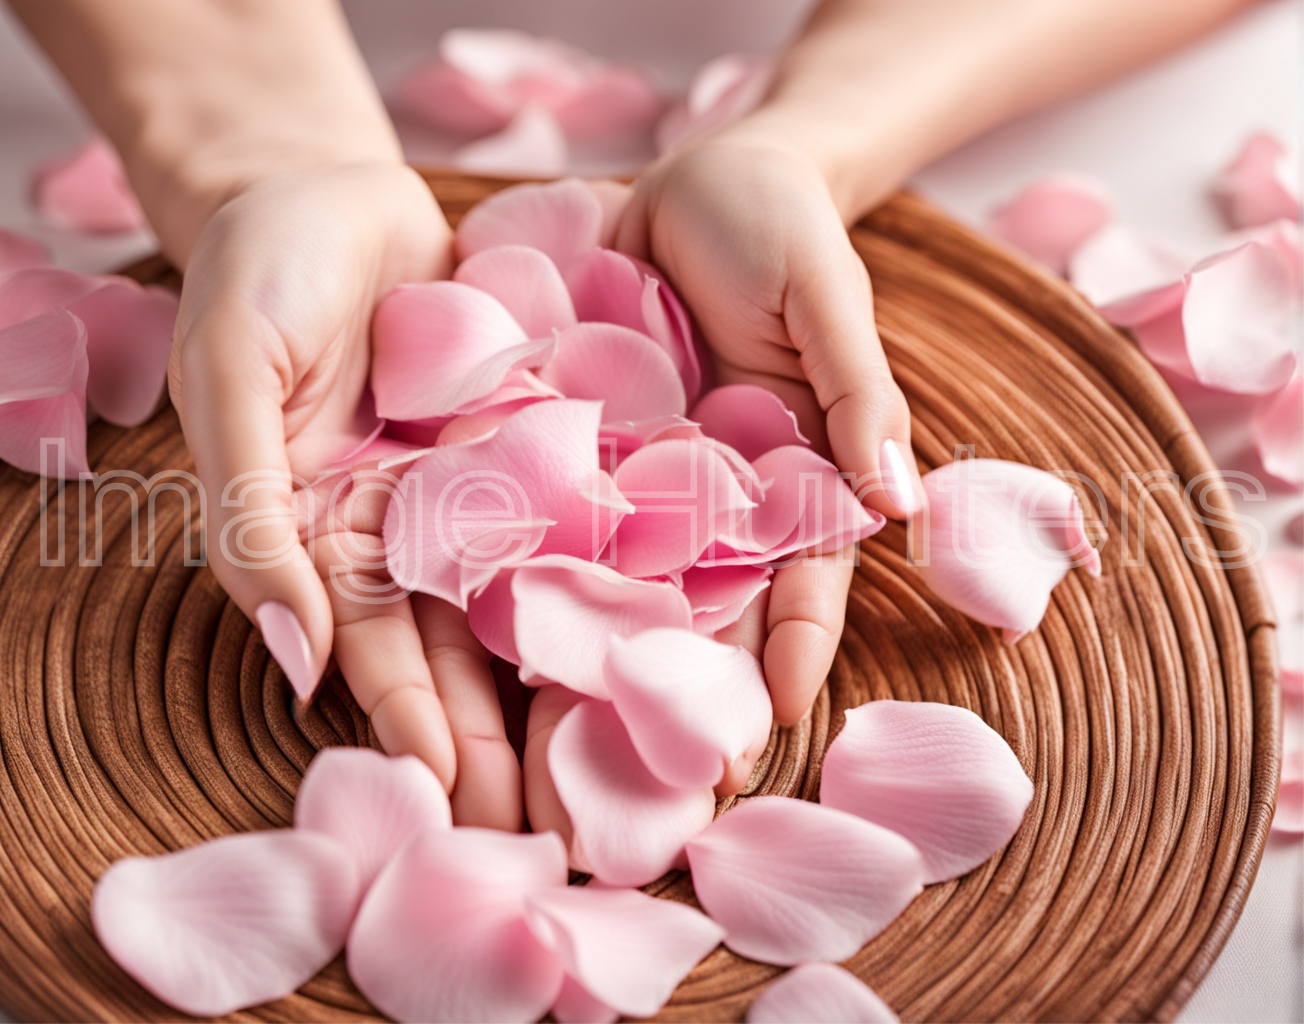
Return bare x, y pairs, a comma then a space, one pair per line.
140, 712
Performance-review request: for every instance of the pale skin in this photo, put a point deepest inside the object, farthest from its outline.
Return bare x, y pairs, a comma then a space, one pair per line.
269, 169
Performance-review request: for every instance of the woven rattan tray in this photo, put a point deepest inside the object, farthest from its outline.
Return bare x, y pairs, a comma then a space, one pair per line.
139, 711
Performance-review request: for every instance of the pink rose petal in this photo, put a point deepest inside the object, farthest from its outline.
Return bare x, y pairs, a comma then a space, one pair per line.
750, 419
88, 192
720, 594
562, 218
440, 345
1050, 218
442, 936
490, 615
934, 773
624, 369
17, 252
819, 994
627, 949
722, 91
1259, 185
614, 101
450, 100
791, 881
531, 144
230, 923
568, 610
1000, 537
36, 290
43, 397
1117, 263
685, 495
629, 827
370, 804
576, 1005
1289, 818
692, 706
1279, 432
526, 282
534, 486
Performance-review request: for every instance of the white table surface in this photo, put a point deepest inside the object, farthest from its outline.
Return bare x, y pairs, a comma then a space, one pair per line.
1155, 138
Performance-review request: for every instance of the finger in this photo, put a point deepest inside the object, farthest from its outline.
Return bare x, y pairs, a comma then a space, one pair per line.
488, 790
543, 807
808, 607
231, 414
828, 311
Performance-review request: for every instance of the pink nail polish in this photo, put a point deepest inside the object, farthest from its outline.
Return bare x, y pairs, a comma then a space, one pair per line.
288, 644
896, 478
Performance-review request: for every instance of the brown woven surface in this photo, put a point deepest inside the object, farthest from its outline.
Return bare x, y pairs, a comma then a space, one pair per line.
139, 711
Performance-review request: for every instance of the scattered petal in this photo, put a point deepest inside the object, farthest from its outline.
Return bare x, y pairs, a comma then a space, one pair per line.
1050, 218
526, 282
1279, 432
450, 100
752, 420
1117, 262
17, 252
630, 828
1259, 185
624, 369
532, 143
720, 594
791, 881
88, 192
613, 101
43, 403
819, 994
230, 923
562, 218
934, 773
36, 290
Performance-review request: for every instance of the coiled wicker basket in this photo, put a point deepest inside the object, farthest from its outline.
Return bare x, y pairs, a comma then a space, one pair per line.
140, 712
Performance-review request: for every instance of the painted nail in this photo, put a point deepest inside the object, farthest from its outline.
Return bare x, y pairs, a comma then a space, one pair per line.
288, 643
897, 483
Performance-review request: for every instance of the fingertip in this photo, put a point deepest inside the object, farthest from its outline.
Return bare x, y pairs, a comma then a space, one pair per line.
410, 720
488, 790
902, 486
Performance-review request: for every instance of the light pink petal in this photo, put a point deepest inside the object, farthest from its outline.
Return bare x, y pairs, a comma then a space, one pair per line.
88, 192
627, 949
43, 405
1050, 218
750, 419
128, 338
504, 56
1000, 536
518, 389
1290, 797
1279, 432
819, 994
230, 923
370, 804
626, 370
614, 101
442, 936
1117, 263
440, 345
723, 90
685, 495
720, 594
449, 99
1237, 318
669, 325
614, 197
466, 510
18, 252
630, 828
791, 881
532, 143
576, 1005
1284, 238
1259, 185
618, 439
807, 505
607, 287
563, 218
36, 290
937, 774
526, 282
691, 705
568, 610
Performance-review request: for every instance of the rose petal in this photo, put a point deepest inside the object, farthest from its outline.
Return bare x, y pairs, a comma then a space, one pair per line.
1000, 536
441, 936
1050, 218
792, 881
534, 486
750, 419
568, 610
630, 828
819, 994
18, 252
614, 101
723, 90
1117, 262
720, 594
628, 371
36, 290
685, 495
562, 218
526, 282
1259, 185
230, 923
505, 56
532, 143
691, 706
450, 100
1289, 817
490, 615
88, 192
440, 345
370, 804
45, 398
934, 773
627, 949
576, 1005
1279, 432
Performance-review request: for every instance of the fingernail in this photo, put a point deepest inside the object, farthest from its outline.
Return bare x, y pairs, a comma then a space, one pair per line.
288, 643
896, 478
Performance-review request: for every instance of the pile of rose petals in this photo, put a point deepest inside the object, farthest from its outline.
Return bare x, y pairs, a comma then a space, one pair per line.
1228, 322
72, 344
88, 192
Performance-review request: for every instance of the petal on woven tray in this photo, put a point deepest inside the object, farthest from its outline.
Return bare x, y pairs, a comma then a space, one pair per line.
1050, 218
819, 994
45, 397
1259, 185
563, 218
791, 881
934, 773
526, 282
230, 923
